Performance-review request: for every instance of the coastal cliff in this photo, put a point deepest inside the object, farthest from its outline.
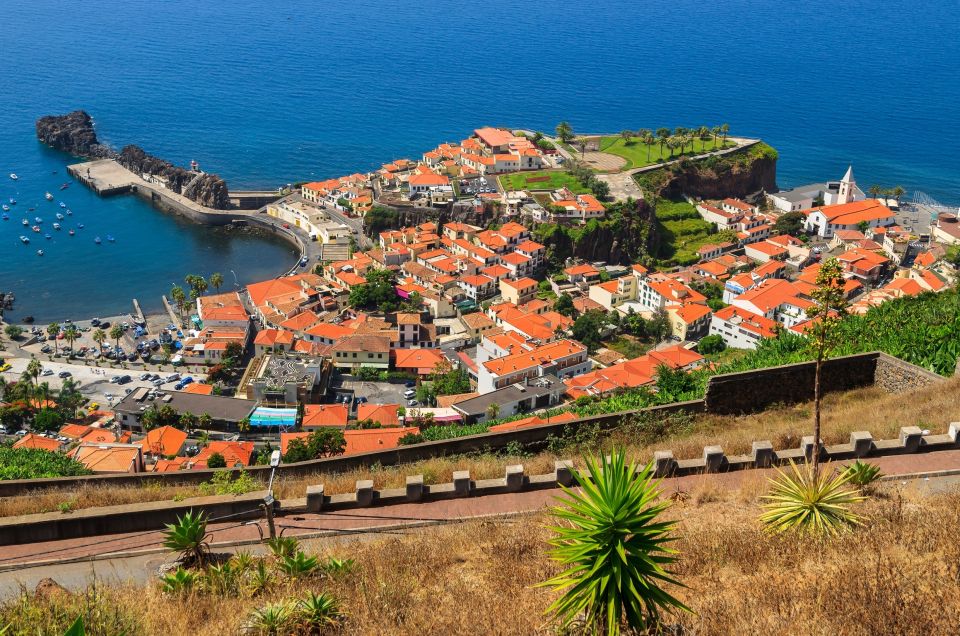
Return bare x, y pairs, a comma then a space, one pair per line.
738, 174
74, 133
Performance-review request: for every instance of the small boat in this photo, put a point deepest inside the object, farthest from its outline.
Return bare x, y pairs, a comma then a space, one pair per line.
26, 222
69, 213
31, 209
56, 226
39, 252
59, 216
6, 217
36, 228
97, 240
65, 186
71, 232
47, 236
6, 208
63, 205
13, 175
48, 196
24, 240
28, 319
37, 219
79, 226
109, 238
13, 201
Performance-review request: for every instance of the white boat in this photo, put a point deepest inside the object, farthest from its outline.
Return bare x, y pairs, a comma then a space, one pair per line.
97, 240
56, 226
6, 217
71, 232
13, 201
109, 238
13, 175
63, 205
25, 222
48, 196
79, 226
6, 208
69, 213
39, 252
59, 216
24, 240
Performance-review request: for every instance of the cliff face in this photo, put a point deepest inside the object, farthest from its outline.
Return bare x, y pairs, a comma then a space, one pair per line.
206, 189
72, 133
738, 174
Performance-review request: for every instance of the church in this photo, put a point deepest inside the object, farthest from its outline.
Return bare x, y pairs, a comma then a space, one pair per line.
818, 194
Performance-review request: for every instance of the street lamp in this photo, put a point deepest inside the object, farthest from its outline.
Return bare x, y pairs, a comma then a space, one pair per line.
268, 501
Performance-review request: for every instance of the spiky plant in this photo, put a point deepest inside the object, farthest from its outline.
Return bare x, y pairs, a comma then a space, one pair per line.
807, 501
188, 536
299, 565
180, 581
318, 611
271, 620
242, 562
335, 566
862, 474
614, 546
283, 546
223, 579
261, 578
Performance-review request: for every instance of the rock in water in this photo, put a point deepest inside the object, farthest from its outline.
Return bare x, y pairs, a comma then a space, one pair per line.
72, 133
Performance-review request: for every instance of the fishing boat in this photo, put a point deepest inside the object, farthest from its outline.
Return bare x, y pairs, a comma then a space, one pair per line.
48, 196
97, 240
39, 252
59, 216
31, 209
6, 217
47, 236
25, 222
65, 186
13, 175
79, 226
63, 205
6, 208
36, 228
24, 240
56, 226
37, 220
69, 213
71, 232
109, 238
13, 201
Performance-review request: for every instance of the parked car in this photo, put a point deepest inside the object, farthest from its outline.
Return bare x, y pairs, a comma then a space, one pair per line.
123, 379
409, 393
47, 372
412, 403
64, 374
173, 377
144, 376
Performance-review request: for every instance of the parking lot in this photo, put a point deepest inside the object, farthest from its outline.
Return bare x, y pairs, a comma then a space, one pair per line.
478, 185
374, 392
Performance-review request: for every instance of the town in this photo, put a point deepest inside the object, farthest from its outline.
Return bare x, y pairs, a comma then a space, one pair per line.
440, 304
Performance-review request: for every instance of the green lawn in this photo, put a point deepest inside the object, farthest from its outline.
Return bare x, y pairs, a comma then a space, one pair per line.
628, 346
542, 180
683, 231
637, 154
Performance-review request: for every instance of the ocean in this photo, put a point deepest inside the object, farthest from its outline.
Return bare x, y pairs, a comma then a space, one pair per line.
270, 93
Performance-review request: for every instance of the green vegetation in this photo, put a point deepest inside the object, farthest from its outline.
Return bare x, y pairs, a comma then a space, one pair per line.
223, 482
542, 180
804, 500
614, 547
682, 232
628, 346
188, 536
379, 292
324, 442
587, 328
653, 182
34, 463
862, 474
380, 219
638, 153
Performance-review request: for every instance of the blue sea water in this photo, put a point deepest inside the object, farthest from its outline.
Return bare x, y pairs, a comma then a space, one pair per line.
266, 93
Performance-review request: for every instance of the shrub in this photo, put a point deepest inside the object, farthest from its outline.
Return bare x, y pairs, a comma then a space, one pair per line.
319, 611
810, 502
188, 536
282, 547
613, 544
181, 581
216, 460
299, 564
48, 420
862, 474
223, 483
34, 463
271, 619
711, 344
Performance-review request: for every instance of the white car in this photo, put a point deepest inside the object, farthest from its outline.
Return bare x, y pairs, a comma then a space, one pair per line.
47, 372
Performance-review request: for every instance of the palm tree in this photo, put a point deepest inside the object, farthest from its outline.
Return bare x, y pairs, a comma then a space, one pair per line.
34, 368
875, 191
626, 135
99, 335
52, 330
116, 332
897, 192
716, 132
216, 280
564, 132
724, 128
70, 335
179, 298
204, 422
493, 411
663, 134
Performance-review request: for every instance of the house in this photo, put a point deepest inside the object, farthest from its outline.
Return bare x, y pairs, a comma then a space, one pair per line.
634, 373
225, 412
32, 440
713, 250
375, 439
518, 291
163, 441
383, 414
583, 273
613, 293
776, 299
688, 321
422, 362
807, 196
563, 358
522, 397
870, 213
362, 351
324, 415
224, 310
567, 206
477, 324
864, 265
764, 251
946, 230
109, 458
234, 453
477, 287
270, 340
741, 329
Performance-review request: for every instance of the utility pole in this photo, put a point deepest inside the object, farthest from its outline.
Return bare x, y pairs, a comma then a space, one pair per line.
268, 501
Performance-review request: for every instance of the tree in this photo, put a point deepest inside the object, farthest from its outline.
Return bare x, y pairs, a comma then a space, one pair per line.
711, 344
204, 422
493, 411
47, 420
649, 140
449, 381
99, 336
824, 334
601, 189
897, 192
875, 190
324, 442
13, 331
379, 292
613, 544
216, 460
563, 304
626, 135
52, 330
69, 398
116, 332
34, 369
187, 421
70, 335
216, 280
179, 298
863, 226
659, 324
790, 223
724, 129
232, 353
564, 132
586, 329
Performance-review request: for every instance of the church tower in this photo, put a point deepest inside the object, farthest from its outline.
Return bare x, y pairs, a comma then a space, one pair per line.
847, 187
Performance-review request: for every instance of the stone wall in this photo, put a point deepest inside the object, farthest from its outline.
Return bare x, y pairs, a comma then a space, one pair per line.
896, 376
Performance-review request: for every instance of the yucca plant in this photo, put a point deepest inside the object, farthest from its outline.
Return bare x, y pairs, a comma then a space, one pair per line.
243, 562
807, 501
222, 579
317, 611
260, 578
862, 474
614, 546
299, 564
271, 619
188, 536
180, 581
283, 546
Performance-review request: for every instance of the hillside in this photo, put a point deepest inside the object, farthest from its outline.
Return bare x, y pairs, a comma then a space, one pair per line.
737, 174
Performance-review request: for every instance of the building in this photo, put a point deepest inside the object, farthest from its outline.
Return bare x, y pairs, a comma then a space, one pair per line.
563, 358
362, 351
226, 412
741, 329
382, 414
109, 458
518, 291
523, 397
805, 197
634, 373
324, 415
283, 380
163, 441
870, 213
421, 362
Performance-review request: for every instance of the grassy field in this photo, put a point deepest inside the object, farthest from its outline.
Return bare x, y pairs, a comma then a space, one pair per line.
542, 180
881, 413
638, 154
683, 232
455, 579
629, 346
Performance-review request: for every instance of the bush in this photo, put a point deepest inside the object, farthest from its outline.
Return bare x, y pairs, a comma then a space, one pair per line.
216, 460
324, 442
34, 463
48, 420
223, 483
711, 344
411, 438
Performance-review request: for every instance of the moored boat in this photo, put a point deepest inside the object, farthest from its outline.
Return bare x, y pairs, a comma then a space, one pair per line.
109, 238
6, 217
25, 222
59, 216
47, 236
79, 226
63, 205
48, 196
24, 240
65, 186
13, 175
6, 208
39, 252
69, 213
97, 240
37, 220
56, 226
36, 228
71, 232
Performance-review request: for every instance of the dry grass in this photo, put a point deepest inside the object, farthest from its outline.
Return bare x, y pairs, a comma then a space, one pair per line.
898, 574
865, 409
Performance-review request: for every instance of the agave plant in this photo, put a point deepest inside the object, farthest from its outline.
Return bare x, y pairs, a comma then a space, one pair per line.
334, 566
271, 619
180, 581
188, 536
299, 564
260, 578
283, 546
318, 611
614, 547
223, 579
862, 474
806, 501
242, 562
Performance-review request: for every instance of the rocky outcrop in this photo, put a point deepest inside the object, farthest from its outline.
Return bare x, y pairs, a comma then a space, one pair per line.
738, 174
72, 133
206, 189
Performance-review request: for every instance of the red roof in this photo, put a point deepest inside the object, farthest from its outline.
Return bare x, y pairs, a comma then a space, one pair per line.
375, 439
383, 414
317, 415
